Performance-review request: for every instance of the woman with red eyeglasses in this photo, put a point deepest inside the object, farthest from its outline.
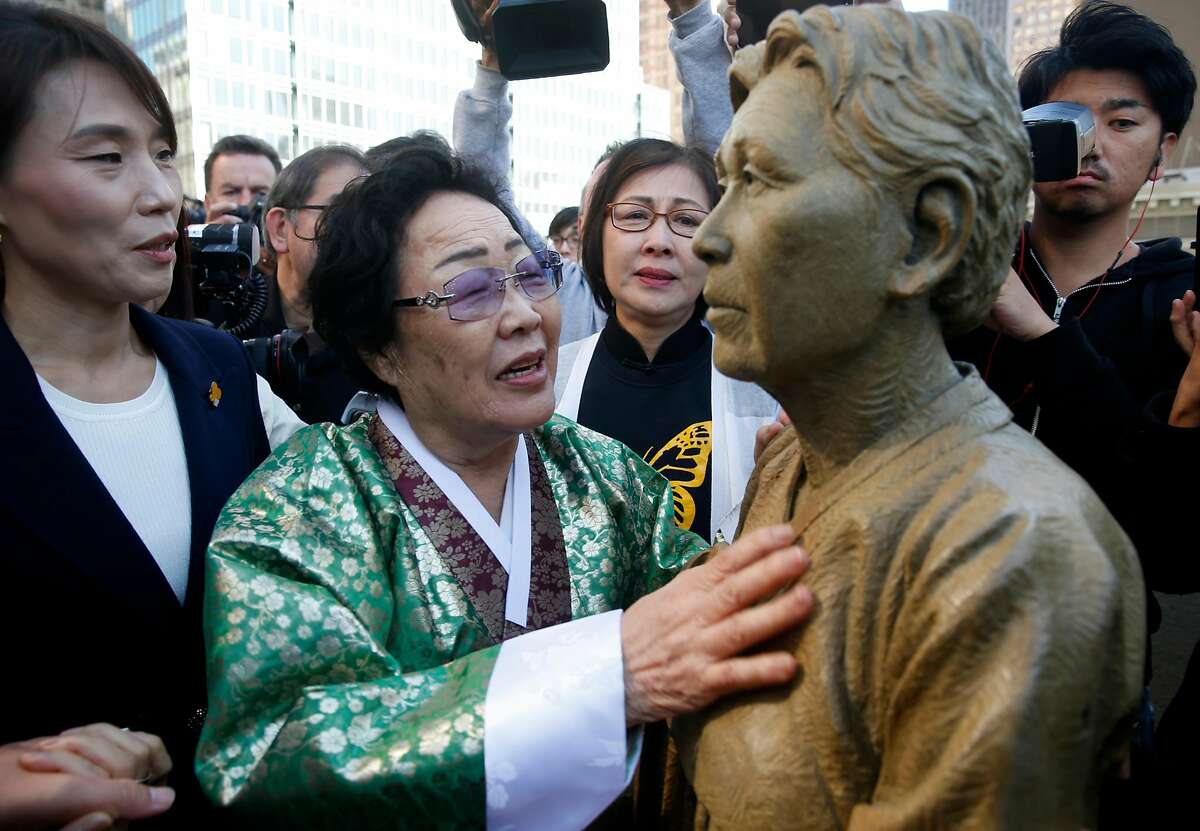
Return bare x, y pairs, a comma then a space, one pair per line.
647, 378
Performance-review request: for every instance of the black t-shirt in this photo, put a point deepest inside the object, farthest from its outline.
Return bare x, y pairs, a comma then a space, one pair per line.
1088, 382
660, 409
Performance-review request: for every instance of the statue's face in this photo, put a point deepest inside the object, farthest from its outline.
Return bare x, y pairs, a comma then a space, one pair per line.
799, 248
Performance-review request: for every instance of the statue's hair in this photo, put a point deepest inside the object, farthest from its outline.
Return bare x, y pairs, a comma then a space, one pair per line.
910, 96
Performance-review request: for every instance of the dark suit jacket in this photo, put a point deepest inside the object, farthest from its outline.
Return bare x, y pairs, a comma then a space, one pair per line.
91, 629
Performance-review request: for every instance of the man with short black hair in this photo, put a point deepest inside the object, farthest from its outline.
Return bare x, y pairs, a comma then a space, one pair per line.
237, 171
1079, 342
564, 233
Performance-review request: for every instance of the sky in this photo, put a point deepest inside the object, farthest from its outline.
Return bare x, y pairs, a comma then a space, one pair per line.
924, 5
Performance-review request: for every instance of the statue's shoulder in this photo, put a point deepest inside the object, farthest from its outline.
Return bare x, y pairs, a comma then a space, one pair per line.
1009, 487
1035, 480
784, 449
769, 492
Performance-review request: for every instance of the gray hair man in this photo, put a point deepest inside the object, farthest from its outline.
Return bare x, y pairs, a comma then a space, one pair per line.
293, 209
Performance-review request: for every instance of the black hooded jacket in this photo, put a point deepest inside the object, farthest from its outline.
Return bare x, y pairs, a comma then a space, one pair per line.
1088, 383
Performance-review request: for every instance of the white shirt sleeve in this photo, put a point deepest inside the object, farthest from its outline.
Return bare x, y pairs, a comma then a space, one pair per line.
556, 749
278, 419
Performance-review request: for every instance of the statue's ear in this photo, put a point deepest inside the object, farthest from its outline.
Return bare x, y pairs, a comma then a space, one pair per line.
943, 216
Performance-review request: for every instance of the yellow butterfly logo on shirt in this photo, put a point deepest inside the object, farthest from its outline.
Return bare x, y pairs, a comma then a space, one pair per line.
684, 462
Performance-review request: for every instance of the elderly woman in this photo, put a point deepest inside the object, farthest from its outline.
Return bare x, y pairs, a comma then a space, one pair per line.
417, 618
647, 378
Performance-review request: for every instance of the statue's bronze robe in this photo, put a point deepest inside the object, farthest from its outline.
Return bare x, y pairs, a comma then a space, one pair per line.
975, 655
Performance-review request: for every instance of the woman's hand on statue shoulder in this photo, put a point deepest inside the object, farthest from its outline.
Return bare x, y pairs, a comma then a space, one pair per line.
764, 434
683, 645
82, 780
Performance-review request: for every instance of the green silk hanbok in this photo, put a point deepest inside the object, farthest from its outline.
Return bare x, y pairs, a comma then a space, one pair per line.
364, 667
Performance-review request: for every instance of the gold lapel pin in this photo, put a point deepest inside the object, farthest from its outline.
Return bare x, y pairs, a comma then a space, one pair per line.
214, 394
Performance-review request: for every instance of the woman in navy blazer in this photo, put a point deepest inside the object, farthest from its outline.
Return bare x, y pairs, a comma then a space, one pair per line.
98, 634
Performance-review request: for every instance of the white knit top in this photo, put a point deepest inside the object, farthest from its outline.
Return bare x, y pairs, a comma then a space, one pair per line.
136, 448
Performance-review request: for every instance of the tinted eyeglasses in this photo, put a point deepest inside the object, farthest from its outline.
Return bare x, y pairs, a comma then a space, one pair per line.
478, 293
632, 216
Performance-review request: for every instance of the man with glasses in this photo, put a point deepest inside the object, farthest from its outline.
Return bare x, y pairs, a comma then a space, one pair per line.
564, 233
293, 208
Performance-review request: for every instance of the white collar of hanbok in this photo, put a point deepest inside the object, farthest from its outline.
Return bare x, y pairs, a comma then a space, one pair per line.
510, 540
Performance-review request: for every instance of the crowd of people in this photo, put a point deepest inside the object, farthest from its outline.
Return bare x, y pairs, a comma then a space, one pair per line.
509, 468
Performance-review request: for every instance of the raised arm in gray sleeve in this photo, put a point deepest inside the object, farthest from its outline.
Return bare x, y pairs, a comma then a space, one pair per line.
481, 118
702, 61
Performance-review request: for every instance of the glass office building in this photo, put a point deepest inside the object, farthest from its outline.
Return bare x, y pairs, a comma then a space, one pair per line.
304, 73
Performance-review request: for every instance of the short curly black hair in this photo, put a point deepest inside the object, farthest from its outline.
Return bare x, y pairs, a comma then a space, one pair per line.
360, 239
1101, 35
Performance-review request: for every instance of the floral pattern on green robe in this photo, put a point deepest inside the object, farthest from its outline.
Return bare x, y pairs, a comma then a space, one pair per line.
347, 682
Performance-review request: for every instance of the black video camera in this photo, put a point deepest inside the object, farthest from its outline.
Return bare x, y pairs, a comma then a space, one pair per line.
542, 38
756, 15
223, 258
1061, 135
283, 360
302, 371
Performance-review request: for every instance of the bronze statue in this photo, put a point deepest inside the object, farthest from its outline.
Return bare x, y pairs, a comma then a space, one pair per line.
975, 657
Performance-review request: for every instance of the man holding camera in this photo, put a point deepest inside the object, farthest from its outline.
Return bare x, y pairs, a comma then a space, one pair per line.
238, 170
1079, 342
238, 175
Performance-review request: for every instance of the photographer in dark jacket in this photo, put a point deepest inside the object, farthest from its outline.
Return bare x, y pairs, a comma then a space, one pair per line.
238, 170
1079, 341
294, 206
